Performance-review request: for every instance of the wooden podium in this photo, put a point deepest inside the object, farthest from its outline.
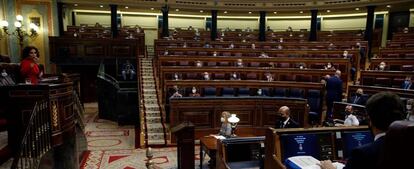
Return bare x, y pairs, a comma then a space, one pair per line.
184, 133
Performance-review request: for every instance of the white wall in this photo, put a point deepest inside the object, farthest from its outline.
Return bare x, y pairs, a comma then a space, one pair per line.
411, 19
145, 21
185, 22
281, 24
91, 18
237, 23
343, 23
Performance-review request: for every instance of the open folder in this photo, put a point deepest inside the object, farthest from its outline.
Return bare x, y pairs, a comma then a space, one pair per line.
306, 162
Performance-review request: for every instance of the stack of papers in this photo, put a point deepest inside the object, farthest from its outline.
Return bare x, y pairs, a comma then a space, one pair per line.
307, 162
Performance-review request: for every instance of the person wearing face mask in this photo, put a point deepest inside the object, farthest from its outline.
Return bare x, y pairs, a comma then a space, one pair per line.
199, 63
350, 118
407, 84
206, 76
253, 46
383, 109
225, 129
329, 66
214, 53
29, 66
234, 76
285, 121
194, 92
239, 63
382, 66
231, 46
359, 97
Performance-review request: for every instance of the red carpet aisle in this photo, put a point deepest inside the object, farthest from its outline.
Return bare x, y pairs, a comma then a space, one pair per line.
112, 147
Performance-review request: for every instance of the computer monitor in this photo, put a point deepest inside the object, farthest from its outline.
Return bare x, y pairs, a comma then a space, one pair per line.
353, 139
317, 145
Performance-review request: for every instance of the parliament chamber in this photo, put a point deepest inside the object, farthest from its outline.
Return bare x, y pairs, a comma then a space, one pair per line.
205, 84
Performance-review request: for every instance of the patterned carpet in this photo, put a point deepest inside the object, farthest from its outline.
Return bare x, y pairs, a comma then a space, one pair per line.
112, 147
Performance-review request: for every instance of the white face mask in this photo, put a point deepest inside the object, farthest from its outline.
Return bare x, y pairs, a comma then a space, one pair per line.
408, 106
382, 67
222, 119
345, 54
239, 63
259, 92
198, 64
206, 77
300, 67
329, 66
234, 75
4, 74
194, 90
175, 76
214, 54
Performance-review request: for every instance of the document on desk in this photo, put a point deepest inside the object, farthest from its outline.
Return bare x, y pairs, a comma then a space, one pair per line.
219, 137
307, 162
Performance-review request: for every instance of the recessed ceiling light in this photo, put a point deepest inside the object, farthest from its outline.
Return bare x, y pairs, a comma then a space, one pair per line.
328, 10
225, 11
201, 11
357, 9
177, 9
300, 11
101, 6
250, 12
75, 5
388, 6
126, 7
275, 12
152, 9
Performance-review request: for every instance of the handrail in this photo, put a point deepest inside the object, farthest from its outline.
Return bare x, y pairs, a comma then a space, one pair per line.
36, 140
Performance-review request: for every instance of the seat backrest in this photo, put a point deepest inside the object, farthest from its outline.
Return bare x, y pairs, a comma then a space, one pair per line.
407, 68
244, 92
382, 81
296, 93
398, 145
227, 91
280, 92
209, 91
314, 101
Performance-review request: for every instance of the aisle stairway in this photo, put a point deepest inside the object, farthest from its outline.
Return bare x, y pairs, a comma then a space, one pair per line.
155, 129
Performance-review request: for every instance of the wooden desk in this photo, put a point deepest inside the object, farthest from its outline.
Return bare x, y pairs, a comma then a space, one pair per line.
208, 144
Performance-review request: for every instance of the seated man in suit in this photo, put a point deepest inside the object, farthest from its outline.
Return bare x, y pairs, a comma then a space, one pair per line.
407, 84
383, 109
128, 69
358, 98
285, 120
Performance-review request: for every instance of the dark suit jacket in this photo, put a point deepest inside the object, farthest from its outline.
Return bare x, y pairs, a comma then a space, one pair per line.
290, 124
366, 156
410, 86
358, 100
334, 88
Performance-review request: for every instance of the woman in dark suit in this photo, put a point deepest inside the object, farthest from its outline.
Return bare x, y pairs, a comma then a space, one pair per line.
225, 129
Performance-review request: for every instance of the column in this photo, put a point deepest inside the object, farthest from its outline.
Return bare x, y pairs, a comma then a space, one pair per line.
73, 19
262, 26
60, 18
213, 30
313, 25
114, 24
369, 28
165, 32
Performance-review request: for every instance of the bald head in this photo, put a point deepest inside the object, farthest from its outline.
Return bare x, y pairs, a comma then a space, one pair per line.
338, 73
284, 111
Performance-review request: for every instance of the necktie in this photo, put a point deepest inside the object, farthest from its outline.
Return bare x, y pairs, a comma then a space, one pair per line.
356, 99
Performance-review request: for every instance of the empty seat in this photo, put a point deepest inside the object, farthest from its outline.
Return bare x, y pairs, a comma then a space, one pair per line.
209, 91
284, 65
202, 53
280, 92
315, 108
409, 55
367, 81
397, 82
287, 78
238, 54
227, 91
178, 53
191, 76
219, 76
304, 78
392, 55
224, 63
296, 93
226, 54
244, 92
407, 68
211, 63
266, 92
191, 53
254, 64
251, 76
183, 63
382, 81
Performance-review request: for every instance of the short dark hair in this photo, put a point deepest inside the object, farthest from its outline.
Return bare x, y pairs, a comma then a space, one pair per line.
384, 108
26, 51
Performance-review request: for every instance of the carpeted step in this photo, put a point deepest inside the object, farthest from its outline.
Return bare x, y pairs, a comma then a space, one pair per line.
156, 119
